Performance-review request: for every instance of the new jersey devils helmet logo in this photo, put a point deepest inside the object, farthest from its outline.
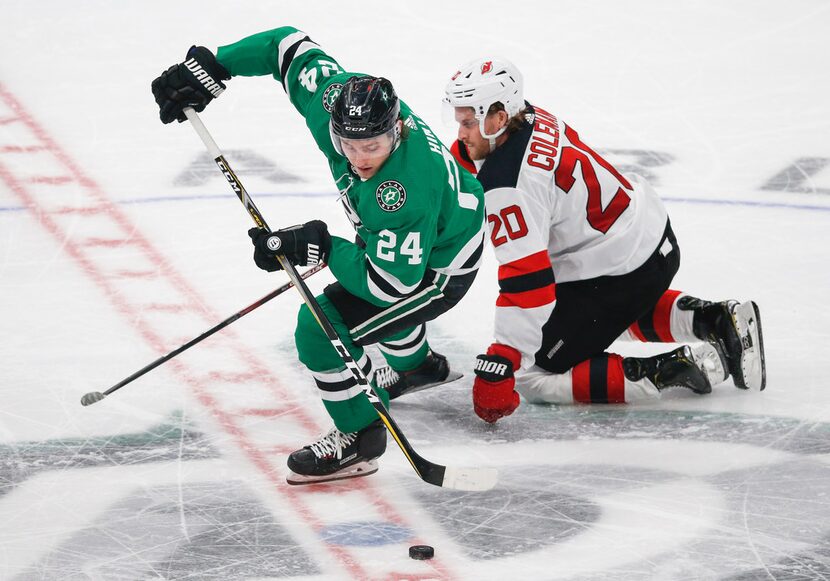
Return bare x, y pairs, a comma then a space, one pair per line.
487, 67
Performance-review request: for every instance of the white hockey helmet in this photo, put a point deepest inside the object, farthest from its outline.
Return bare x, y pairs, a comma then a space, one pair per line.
483, 82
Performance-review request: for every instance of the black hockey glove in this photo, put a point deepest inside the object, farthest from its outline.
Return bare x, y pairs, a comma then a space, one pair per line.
303, 245
193, 83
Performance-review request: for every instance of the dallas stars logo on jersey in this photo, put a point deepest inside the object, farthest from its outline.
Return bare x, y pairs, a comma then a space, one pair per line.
390, 195
330, 96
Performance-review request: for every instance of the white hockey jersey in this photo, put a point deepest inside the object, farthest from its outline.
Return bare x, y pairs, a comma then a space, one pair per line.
558, 212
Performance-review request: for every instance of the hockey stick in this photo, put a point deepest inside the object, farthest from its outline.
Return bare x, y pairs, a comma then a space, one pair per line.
448, 477
96, 396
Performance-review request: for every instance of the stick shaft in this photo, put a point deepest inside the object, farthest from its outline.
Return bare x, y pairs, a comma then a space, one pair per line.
236, 316
225, 168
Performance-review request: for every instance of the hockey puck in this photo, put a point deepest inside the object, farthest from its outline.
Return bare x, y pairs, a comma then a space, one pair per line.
421, 552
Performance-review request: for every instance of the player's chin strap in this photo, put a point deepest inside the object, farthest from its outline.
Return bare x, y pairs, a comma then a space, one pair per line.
491, 139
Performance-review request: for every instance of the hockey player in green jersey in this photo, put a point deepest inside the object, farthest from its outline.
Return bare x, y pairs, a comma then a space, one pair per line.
419, 221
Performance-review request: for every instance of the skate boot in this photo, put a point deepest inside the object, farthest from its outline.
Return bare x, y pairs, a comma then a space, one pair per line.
435, 370
337, 455
697, 368
737, 329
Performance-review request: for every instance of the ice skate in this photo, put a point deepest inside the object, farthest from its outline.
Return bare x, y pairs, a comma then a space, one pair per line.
435, 370
697, 368
737, 329
338, 455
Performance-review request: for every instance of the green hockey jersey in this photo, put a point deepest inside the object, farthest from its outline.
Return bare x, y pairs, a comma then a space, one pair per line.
419, 213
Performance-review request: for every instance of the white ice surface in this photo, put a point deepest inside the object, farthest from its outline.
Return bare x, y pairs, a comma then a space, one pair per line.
180, 475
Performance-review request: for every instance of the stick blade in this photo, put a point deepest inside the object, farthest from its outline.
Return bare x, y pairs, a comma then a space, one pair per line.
471, 479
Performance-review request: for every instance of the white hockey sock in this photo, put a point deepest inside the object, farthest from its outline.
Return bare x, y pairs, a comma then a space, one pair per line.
598, 380
665, 323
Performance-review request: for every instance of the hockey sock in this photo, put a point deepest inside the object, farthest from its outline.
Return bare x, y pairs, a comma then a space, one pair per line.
407, 349
355, 413
597, 380
601, 379
665, 323
342, 396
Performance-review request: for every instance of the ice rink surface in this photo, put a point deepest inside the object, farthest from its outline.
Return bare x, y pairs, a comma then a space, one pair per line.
119, 241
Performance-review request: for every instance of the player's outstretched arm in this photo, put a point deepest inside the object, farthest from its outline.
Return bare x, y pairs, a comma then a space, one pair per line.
289, 55
285, 53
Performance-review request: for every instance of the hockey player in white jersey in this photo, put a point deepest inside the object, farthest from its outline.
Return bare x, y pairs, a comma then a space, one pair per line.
586, 256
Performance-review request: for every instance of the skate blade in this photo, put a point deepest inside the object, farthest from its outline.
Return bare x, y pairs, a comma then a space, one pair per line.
453, 376
353, 471
747, 319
